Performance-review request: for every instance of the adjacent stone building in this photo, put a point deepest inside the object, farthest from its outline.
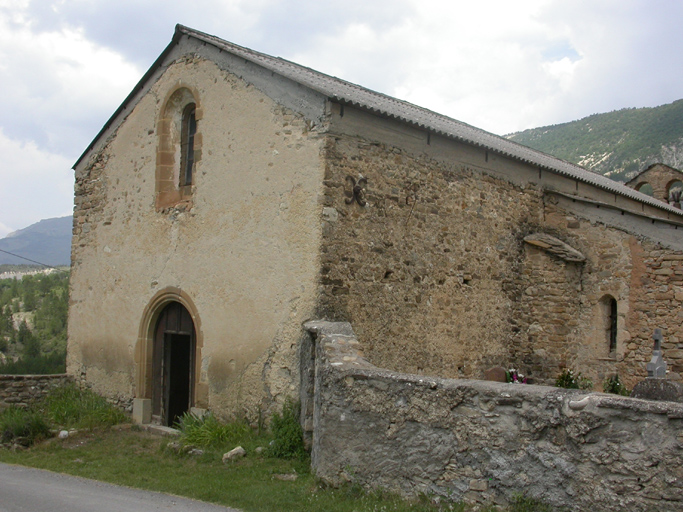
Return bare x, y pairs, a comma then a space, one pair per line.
661, 182
234, 196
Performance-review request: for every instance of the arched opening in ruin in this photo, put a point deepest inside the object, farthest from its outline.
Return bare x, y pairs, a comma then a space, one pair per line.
645, 188
674, 192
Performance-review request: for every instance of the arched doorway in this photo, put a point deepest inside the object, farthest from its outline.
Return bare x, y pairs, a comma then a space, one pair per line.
173, 364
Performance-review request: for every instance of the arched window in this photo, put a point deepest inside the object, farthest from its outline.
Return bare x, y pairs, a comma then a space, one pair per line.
189, 129
608, 320
612, 326
179, 149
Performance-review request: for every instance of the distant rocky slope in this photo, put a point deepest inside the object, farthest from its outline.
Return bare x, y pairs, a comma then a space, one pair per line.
47, 241
617, 144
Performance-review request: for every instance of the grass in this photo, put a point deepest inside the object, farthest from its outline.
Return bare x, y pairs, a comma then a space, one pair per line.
122, 455
20, 424
73, 408
106, 450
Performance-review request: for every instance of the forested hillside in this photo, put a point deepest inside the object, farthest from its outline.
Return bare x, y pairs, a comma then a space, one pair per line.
617, 144
33, 316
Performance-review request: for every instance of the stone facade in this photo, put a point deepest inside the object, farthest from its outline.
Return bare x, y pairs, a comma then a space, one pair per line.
21, 390
450, 250
240, 254
485, 442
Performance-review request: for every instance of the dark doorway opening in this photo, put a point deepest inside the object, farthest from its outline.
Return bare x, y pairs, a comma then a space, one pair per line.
173, 365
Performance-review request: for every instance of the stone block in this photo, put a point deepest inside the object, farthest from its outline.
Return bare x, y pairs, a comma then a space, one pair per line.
142, 410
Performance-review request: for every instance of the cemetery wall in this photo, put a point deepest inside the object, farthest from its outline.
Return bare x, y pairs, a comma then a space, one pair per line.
484, 442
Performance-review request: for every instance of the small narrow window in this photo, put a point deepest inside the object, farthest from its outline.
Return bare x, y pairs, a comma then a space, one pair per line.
189, 128
612, 327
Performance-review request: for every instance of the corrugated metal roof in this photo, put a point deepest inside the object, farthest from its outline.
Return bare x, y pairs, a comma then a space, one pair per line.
347, 92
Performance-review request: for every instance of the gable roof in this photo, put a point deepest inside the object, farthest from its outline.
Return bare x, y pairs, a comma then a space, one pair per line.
342, 91
638, 176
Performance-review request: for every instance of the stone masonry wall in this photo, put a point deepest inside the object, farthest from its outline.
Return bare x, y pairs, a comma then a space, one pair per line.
21, 390
484, 442
656, 302
434, 273
427, 270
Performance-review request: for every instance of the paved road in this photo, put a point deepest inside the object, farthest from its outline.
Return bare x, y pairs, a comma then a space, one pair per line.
35, 490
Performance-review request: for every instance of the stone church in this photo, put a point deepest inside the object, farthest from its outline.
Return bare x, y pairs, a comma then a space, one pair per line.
234, 196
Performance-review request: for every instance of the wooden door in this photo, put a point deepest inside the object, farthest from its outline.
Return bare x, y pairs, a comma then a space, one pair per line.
173, 364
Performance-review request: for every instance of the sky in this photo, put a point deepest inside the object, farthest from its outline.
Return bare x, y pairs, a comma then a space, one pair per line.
500, 65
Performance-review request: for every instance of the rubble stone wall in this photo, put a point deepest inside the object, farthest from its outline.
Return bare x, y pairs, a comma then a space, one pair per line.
434, 273
484, 442
21, 390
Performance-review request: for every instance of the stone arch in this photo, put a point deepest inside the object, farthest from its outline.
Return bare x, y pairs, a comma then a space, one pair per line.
172, 189
645, 188
144, 350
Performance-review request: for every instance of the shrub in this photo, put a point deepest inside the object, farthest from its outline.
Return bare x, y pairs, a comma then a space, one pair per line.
71, 407
614, 385
209, 432
570, 380
16, 423
288, 436
42, 364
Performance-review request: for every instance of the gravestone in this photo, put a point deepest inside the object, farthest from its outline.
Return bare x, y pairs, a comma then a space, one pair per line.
657, 386
656, 368
495, 374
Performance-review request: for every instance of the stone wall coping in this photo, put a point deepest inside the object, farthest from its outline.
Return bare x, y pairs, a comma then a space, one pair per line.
53, 376
343, 356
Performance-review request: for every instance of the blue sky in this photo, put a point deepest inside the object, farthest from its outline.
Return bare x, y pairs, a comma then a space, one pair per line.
503, 66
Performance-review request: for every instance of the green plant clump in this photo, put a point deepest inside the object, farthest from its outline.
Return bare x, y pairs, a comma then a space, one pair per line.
22, 425
208, 432
570, 380
522, 503
71, 407
614, 385
288, 436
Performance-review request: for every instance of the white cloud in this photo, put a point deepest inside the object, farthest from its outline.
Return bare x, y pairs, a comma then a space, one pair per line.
41, 185
503, 66
506, 66
58, 87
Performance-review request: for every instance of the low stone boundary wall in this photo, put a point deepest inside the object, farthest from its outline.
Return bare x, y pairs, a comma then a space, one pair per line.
484, 442
20, 390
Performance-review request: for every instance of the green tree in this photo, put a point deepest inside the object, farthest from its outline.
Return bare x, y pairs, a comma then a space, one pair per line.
31, 344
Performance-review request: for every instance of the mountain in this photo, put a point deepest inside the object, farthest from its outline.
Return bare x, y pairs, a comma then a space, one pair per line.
47, 241
617, 144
